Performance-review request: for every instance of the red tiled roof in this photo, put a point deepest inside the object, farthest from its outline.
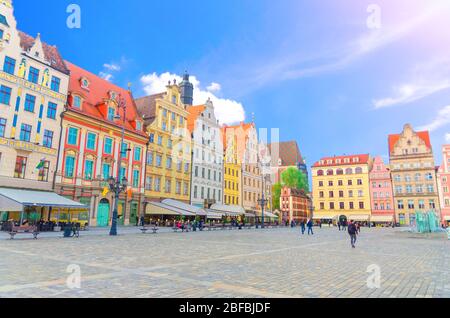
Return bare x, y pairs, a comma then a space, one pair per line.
362, 159
146, 106
96, 96
289, 153
424, 135
194, 113
51, 52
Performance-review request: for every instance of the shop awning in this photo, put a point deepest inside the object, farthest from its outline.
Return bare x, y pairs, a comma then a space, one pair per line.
382, 218
228, 210
359, 218
324, 217
446, 217
267, 214
193, 210
156, 208
14, 200
213, 215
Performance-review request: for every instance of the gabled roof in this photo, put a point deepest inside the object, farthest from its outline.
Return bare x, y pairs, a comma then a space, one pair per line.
97, 94
194, 113
51, 52
362, 159
393, 139
146, 106
289, 153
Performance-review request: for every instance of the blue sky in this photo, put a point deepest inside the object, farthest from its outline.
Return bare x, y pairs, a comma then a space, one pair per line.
315, 69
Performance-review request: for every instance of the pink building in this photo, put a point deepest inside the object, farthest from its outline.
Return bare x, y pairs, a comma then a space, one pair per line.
381, 193
444, 184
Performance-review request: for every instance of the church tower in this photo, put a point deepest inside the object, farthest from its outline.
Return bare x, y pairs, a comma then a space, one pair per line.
187, 91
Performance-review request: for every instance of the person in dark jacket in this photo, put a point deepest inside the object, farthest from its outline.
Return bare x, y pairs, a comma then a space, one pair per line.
352, 231
310, 225
303, 227
339, 225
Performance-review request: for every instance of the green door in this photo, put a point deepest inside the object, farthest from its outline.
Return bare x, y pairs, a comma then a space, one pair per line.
133, 213
3, 216
103, 213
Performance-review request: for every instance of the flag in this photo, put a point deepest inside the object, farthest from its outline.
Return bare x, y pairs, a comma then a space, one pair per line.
105, 191
41, 164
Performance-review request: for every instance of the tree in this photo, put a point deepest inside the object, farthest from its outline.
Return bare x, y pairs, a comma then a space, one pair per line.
276, 194
294, 178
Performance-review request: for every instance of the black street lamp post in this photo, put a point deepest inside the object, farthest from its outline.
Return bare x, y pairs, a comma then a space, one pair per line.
116, 185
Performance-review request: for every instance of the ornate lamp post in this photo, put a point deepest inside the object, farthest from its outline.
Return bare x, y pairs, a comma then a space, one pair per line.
116, 185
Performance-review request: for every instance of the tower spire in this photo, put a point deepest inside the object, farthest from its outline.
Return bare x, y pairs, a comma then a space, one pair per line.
187, 90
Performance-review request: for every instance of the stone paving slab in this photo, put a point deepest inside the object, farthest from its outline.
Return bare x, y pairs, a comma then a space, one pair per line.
275, 263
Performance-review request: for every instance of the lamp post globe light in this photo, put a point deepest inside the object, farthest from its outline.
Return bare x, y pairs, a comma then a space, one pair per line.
117, 188
118, 185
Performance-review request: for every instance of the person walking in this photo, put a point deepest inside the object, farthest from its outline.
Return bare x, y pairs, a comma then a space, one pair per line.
339, 225
310, 225
352, 231
358, 227
303, 227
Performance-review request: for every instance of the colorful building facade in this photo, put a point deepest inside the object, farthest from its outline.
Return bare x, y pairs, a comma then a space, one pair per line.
341, 188
232, 167
91, 145
294, 205
33, 91
168, 174
443, 178
413, 173
381, 192
207, 159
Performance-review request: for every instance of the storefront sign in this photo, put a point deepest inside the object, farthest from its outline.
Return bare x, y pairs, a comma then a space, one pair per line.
27, 146
34, 87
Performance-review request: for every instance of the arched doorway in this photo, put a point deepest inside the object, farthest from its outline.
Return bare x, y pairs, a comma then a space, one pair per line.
343, 219
103, 213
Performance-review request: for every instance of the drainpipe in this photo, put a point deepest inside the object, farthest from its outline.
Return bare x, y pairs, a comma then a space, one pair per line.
59, 146
145, 181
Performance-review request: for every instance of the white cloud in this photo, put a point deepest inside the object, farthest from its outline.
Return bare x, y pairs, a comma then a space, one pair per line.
214, 87
106, 76
408, 93
227, 111
442, 119
296, 65
427, 79
112, 67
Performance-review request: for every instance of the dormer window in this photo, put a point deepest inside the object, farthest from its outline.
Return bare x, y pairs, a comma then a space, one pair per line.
138, 125
85, 83
112, 95
174, 99
111, 113
77, 101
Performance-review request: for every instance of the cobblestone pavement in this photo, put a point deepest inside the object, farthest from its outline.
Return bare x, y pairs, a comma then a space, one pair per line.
249, 263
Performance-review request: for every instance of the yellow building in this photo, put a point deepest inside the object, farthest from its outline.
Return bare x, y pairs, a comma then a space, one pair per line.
169, 149
232, 168
341, 188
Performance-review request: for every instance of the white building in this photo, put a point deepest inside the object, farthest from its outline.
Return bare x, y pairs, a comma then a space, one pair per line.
207, 161
33, 92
